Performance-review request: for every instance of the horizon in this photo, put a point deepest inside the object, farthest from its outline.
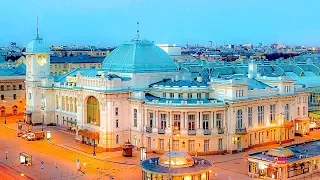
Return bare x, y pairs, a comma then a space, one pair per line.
103, 23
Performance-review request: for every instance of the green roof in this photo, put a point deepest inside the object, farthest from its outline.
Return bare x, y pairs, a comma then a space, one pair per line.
139, 56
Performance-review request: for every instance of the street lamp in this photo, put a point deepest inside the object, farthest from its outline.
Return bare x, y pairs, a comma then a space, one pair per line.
280, 123
171, 139
5, 114
42, 121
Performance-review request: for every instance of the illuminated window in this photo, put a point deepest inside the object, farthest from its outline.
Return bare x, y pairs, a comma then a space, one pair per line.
93, 111
176, 121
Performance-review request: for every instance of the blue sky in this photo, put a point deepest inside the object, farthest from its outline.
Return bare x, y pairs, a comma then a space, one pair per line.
110, 22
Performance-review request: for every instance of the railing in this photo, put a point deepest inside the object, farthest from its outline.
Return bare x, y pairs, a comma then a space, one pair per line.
149, 129
220, 130
161, 131
191, 132
241, 131
207, 132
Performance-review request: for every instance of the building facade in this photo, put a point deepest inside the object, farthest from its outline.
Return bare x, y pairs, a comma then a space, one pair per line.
139, 94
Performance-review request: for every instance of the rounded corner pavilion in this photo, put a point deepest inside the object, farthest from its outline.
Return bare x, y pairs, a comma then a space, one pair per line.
182, 167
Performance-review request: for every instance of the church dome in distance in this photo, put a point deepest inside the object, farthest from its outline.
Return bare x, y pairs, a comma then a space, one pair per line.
37, 46
139, 56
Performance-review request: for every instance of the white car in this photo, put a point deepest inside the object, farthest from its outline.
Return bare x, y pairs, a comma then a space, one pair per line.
26, 135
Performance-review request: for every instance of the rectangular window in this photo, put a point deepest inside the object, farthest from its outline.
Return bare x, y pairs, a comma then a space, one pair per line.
57, 102
298, 111
191, 145
176, 121
117, 123
164, 95
14, 96
286, 112
161, 144
163, 122
2, 97
2, 87
191, 122
135, 118
207, 95
117, 111
180, 95
272, 113
304, 110
198, 95
189, 95
250, 116
171, 95
8, 87
151, 119
20, 86
220, 145
260, 114
299, 100
205, 120
206, 145
175, 145
14, 87
219, 120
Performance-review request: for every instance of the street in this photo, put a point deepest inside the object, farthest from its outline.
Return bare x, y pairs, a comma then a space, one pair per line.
59, 156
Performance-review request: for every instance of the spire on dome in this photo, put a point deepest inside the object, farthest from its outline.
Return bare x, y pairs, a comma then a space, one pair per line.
37, 28
138, 31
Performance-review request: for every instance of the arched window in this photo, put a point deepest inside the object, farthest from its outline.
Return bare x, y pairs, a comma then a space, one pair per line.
239, 118
93, 111
286, 112
117, 139
15, 110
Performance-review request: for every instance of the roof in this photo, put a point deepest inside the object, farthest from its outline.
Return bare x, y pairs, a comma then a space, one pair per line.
139, 56
76, 59
180, 83
37, 46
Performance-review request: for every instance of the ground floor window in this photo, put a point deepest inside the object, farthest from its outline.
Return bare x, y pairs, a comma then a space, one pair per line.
191, 145
206, 145
220, 144
161, 144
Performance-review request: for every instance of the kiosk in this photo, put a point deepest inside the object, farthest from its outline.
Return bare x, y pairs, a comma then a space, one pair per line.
25, 159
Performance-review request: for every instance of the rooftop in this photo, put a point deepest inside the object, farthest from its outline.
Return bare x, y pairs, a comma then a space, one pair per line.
37, 46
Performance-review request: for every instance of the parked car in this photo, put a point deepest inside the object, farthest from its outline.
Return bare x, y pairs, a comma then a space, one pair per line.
35, 136
20, 134
26, 135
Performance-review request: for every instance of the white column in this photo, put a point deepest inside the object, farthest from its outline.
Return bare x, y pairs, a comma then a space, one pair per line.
201, 120
213, 119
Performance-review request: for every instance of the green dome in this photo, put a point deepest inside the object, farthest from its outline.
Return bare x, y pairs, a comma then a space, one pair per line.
138, 56
37, 46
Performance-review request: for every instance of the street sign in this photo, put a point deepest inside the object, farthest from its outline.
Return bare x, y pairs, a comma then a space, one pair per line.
42, 165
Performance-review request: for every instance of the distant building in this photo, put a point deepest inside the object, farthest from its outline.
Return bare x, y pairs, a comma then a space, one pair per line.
172, 50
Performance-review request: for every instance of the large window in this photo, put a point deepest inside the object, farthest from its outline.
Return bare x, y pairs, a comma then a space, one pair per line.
163, 122
304, 110
298, 111
161, 144
191, 145
93, 111
219, 120
260, 114
176, 121
272, 113
220, 144
135, 118
175, 145
191, 122
150, 119
239, 118
205, 119
286, 112
206, 145
249, 116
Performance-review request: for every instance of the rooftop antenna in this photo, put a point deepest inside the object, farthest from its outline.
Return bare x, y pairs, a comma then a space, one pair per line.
138, 32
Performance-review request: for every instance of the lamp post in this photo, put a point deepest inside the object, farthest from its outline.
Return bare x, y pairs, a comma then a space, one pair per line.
5, 114
171, 139
42, 122
280, 122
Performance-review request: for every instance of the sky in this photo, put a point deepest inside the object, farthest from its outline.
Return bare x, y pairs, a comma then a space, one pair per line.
111, 22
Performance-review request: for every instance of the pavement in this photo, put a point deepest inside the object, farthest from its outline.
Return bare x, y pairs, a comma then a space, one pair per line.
61, 152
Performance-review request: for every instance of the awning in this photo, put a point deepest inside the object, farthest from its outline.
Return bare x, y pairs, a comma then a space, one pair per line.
72, 122
89, 134
314, 114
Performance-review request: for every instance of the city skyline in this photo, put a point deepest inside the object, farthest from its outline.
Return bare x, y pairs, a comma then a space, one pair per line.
111, 23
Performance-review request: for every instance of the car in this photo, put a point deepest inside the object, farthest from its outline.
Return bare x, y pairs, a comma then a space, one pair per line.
21, 134
26, 135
